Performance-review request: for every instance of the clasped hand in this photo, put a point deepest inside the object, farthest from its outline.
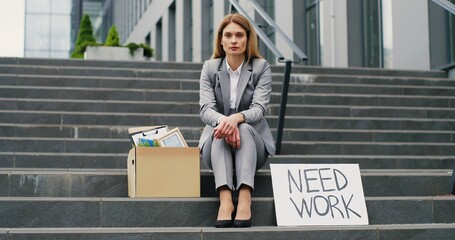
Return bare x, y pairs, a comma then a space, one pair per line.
228, 129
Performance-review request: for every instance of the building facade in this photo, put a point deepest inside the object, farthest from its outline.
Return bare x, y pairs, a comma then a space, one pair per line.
51, 26
405, 34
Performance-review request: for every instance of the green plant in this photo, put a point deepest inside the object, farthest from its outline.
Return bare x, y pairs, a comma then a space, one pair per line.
84, 37
148, 52
112, 39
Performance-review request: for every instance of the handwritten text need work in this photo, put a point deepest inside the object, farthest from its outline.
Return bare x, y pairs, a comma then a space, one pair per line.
320, 191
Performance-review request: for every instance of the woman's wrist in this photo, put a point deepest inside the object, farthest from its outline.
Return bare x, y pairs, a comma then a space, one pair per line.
241, 118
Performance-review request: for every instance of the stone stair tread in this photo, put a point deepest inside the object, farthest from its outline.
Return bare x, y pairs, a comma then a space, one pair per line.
197, 115
367, 143
94, 67
260, 172
315, 76
126, 212
379, 233
119, 127
275, 93
195, 141
239, 230
35, 100
59, 68
283, 156
117, 106
206, 199
363, 130
94, 78
82, 160
91, 63
197, 66
365, 71
431, 87
373, 83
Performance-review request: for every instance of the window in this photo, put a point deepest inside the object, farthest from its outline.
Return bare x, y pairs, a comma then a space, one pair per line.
313, 46
372, 30
47, 28
452, 36
158, 43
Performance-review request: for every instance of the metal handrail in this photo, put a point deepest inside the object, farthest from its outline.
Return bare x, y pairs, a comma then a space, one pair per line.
288, 62
259, 31
446, 5
301, 56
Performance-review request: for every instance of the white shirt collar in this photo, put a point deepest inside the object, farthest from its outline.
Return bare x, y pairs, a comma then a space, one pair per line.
230, 69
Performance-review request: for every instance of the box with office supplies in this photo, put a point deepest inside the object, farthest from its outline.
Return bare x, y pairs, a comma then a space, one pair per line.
167, 167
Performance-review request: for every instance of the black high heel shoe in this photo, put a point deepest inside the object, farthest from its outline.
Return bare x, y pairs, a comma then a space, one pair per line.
242, 223
223, 223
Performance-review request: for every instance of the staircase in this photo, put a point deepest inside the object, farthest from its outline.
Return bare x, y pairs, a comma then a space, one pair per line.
63, 149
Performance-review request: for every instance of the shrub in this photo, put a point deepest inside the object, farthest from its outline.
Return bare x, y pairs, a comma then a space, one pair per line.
148, 52
112, 39
84, 37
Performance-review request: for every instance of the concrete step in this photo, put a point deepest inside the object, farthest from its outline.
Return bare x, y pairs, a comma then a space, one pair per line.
364, 111
27, 104
118, 160
125, 120
362, 148
404, 90
68, 93
98, 82
370, 79
100, 63
176, 82
367, 100
297, 68
25, 212
377, 232
63, 160
31, 182
102, 145
194, 133
367, 135
371, 161
67, 145
99, 71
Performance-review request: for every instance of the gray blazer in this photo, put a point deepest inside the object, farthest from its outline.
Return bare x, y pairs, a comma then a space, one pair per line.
253, 96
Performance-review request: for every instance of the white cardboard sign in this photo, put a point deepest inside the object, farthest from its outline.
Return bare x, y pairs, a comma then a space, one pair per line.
318, 194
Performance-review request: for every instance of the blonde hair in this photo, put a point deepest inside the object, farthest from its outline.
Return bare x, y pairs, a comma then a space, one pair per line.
252, 50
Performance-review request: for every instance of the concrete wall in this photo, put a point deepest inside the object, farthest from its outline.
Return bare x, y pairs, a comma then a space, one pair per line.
153, 14
180, 26
410, 34
334, 33
285, 22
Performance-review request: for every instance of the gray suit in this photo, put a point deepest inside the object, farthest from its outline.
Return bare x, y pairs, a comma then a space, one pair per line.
253, 95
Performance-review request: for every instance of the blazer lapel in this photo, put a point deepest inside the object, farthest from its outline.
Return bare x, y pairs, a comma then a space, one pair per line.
243, 81
224, 79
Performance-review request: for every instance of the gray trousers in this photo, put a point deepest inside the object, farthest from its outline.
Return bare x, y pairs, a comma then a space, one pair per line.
222, 158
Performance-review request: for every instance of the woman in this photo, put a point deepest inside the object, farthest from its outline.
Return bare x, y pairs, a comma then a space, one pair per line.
235, 88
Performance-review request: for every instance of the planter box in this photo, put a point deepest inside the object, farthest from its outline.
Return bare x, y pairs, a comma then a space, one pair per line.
113, 53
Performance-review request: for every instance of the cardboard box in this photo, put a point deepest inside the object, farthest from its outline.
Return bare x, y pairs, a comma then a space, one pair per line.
164, 172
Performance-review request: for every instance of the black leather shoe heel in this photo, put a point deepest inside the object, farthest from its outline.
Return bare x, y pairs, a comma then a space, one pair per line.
223, 223
242, 223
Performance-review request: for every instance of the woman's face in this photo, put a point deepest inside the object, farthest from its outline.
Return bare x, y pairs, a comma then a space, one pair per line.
234, 39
